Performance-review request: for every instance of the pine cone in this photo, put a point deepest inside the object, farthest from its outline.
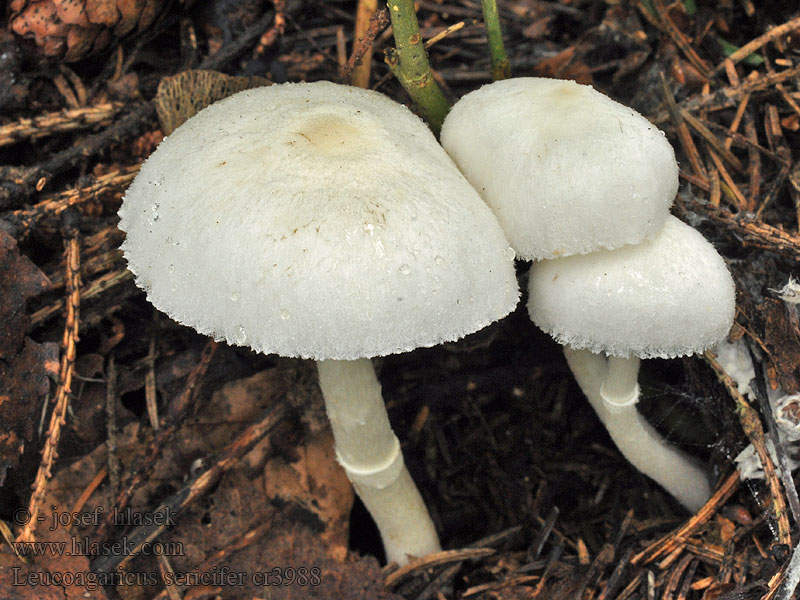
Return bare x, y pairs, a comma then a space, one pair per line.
70, 30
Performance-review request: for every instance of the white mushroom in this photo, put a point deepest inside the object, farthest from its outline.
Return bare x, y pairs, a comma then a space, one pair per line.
566, 169
325, 222
666, 297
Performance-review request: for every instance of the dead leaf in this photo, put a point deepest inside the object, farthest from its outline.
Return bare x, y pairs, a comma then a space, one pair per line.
564, 65
19, 280
319, 484
24, 382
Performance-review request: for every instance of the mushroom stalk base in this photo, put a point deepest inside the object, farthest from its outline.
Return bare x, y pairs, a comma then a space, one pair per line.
369, 452
644, 448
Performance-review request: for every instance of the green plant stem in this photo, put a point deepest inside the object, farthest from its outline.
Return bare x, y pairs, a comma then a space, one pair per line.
501, 69
409, 64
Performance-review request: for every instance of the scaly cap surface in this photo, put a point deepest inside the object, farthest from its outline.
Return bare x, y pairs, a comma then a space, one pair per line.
315, 220
566, 169
668, 296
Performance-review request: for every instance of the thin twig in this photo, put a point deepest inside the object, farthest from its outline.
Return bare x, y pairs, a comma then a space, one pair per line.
363, 37
175, 413
501, 68
434, 560
408, 62
72, 259
19, 183
362, 51
61, 121
677, 538
111, 425
54, 204
753, 45
751, 424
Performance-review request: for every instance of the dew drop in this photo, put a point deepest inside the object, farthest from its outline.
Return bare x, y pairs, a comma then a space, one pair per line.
171, 268
285, 315
438, 260
235, 296
405, 269
509, 253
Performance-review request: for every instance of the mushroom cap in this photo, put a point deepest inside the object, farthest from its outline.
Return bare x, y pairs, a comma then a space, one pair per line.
315, 220
669, 296
566, 169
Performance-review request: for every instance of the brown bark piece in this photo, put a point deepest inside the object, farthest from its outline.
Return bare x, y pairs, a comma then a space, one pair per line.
781, 337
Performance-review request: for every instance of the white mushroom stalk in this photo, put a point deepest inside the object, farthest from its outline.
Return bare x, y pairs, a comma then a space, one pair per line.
636, 439
620, 385
669, 296
324, 222
369, 452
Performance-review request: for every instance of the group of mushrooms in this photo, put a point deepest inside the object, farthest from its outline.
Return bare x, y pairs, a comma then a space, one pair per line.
326, 222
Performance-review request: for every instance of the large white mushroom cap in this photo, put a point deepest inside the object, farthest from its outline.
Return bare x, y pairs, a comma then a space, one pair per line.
670, 296
566, 169
315, 220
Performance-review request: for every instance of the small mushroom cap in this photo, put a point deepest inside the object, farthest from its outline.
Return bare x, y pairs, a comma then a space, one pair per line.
566, 169
315, 220
669, 296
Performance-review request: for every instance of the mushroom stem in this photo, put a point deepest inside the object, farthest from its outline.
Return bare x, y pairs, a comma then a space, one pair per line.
369, 452
621, 386
644, 448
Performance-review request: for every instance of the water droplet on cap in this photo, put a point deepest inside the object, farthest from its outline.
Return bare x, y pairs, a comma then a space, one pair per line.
285, 315
405, 269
